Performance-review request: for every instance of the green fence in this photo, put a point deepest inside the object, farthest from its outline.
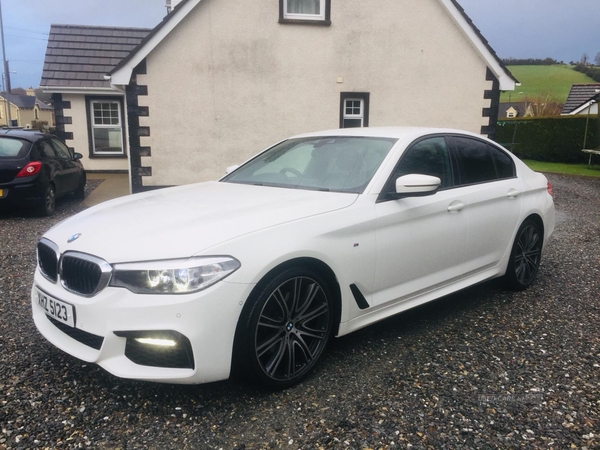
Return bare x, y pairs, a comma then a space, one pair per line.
552, 139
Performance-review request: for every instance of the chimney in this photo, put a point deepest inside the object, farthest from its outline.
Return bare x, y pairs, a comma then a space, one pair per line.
30, 92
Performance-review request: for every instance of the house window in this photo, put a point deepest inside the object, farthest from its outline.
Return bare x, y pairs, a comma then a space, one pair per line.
511, 114
36, 113
106, 127
301, 10
354, 110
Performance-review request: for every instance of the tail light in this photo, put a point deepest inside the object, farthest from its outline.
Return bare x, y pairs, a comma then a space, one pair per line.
549, 187
30, 169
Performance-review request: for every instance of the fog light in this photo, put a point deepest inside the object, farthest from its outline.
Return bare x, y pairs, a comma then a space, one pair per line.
158, 342
158, 348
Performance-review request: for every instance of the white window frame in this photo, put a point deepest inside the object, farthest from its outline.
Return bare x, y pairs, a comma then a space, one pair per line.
321, 16
94, 126
360, 116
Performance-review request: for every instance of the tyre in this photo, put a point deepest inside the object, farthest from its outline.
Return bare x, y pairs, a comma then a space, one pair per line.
287, 327
525, 256
79, 193
48, 204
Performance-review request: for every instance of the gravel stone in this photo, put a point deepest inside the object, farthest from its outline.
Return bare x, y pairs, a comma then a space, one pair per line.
483, 368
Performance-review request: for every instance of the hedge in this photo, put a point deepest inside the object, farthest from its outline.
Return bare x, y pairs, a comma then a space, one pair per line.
552, 139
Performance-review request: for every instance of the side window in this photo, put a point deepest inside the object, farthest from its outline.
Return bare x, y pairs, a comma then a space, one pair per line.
105, 120
426, 157
46, 150
295, 10
61, 149
505, 166
474, 161
354, 109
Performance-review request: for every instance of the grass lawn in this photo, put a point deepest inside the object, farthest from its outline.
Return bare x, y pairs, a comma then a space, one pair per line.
541, 80
566, 169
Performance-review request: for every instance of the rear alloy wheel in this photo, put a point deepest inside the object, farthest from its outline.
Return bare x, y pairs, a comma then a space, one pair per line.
288, 328
526, 256
48, 202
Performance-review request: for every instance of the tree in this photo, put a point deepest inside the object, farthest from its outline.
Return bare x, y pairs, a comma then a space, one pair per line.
597, 59
584, 59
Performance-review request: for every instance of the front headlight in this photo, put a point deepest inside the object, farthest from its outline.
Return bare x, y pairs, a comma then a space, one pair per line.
177, 276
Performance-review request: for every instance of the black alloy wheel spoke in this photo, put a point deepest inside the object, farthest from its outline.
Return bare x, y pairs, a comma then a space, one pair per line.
273, 364
277, 339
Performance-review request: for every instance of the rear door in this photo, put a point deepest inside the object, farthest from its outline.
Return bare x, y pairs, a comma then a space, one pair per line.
486, 178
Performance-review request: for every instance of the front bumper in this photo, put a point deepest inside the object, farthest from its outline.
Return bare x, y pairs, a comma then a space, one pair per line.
104, 324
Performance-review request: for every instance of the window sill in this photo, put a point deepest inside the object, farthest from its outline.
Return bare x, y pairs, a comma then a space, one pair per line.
321, 23
98, 156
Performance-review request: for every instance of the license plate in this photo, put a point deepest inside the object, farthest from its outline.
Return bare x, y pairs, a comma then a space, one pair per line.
59, 310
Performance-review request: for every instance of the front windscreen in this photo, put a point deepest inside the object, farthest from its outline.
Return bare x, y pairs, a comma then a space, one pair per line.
338, 164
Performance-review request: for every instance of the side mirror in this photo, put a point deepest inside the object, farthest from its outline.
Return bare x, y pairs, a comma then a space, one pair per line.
416, 185
231, 169
77, 156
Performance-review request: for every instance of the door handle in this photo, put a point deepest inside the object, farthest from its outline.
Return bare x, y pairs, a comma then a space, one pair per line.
513, 193
456, 206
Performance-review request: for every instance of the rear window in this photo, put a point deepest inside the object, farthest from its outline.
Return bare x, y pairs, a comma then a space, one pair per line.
12, 148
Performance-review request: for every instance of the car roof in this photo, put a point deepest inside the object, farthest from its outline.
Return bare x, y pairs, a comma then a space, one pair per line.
399, 133
28, 135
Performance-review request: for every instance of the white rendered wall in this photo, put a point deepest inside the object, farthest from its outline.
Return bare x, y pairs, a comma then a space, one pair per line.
80, 141
230, 80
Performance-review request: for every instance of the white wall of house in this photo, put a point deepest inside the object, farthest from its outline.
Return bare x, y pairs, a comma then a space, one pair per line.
587, 110
80, 142
230, 80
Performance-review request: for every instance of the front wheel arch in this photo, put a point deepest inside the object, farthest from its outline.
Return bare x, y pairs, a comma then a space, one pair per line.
322, 269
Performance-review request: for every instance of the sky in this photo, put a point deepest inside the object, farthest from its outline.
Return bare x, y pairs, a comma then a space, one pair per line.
560, 29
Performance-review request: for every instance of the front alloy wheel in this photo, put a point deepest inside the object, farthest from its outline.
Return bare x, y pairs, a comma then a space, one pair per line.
288, 328
526, 256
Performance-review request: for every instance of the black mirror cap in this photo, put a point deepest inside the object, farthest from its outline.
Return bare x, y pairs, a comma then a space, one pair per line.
77, 156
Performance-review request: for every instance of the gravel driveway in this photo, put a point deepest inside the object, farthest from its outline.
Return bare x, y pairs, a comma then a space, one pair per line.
484, 368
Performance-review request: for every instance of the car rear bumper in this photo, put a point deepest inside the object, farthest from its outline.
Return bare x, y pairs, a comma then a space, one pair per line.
23, 193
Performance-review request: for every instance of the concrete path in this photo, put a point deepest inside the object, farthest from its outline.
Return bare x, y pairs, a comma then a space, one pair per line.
114, 185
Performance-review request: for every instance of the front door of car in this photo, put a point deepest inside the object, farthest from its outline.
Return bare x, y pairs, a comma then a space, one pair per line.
70, 173
420, 240
491, 190
51, 163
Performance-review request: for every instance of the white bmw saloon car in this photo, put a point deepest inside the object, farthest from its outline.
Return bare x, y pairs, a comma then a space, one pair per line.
315, 237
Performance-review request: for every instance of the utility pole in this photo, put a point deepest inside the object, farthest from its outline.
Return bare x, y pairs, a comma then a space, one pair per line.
6, 71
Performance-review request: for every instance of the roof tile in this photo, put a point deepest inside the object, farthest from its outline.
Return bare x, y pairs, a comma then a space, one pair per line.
581, 94
78, 55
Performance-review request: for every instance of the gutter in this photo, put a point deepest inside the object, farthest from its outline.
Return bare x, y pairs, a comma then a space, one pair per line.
82, 90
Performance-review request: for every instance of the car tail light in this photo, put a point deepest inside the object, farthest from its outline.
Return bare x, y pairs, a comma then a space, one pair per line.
549, 187
30, 169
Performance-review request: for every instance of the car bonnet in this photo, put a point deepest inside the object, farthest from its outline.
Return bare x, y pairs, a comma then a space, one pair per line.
183, 221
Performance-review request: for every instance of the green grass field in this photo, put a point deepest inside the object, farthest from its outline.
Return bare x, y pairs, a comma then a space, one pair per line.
540, 80
566, 169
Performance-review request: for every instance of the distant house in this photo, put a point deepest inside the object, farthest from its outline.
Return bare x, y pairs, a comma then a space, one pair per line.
217, 81
90, 113
25, 110
582, 99
512, 110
